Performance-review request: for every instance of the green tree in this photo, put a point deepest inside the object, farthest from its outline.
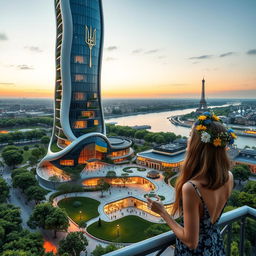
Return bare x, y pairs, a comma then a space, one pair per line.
241, 173
33, 160
250, 187
46, 216
100, 250
35, 193
45, 140
104, 186
12, 157
4, 190
73, 244
156, 229
24, 180
234, 249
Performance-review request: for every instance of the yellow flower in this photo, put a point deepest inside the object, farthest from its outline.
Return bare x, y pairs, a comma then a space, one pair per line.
233, 135
217, 142
216, 118
202, 117
201, 127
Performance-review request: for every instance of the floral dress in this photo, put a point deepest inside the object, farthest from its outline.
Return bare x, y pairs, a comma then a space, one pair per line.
210, 240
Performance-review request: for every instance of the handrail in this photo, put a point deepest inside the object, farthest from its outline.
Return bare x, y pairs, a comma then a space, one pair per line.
166, 239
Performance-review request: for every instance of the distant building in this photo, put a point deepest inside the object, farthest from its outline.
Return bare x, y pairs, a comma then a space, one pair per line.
163, 157
248, 157
202, 104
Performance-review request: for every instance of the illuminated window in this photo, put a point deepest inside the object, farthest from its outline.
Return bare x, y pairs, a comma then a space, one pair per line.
80, 78
79, 95
79, 59
89, 114
80, 124
67, 162
95, 95
96, 122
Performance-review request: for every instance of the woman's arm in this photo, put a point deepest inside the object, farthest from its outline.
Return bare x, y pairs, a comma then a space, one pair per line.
189, 234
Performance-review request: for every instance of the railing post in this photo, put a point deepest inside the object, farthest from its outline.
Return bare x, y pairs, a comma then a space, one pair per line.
229, 231
241, 244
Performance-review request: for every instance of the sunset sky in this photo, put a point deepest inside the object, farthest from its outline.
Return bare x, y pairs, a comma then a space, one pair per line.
152, 48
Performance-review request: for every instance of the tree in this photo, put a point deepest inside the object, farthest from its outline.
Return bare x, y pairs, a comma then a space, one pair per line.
45, 140
73, 244
24, 180
36, 153
124, 177
26, 148
46, 216
99, 222
35, 193
12, 157
4, 190
100, 250
250, 187
241, 173
32, 160
104, 186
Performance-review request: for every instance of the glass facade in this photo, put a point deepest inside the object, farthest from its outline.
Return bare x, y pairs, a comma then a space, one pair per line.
87, 29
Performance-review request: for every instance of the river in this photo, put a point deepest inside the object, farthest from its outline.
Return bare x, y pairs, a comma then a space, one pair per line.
160, 123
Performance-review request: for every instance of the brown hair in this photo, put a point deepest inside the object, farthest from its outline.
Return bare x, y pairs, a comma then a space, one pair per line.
203, 160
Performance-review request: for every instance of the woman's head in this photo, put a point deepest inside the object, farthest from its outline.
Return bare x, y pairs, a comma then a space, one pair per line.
206, 157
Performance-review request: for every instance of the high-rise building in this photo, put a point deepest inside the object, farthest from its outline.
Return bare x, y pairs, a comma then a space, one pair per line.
79, 135
202, 104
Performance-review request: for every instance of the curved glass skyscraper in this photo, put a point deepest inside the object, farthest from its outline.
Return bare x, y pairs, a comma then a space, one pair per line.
79, 136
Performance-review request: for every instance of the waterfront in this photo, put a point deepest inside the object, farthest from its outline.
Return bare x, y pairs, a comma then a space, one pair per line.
159, 123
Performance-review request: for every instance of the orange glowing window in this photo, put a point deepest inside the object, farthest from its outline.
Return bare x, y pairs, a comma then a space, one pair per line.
80, 78
96, 122
67, 162
79, 59
79, 95
80, 124
89, 114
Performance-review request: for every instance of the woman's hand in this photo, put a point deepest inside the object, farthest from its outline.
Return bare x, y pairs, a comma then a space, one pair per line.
156, 206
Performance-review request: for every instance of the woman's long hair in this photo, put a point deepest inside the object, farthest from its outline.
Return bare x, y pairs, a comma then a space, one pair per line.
203, 160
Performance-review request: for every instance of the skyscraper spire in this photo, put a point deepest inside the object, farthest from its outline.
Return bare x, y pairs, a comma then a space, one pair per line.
202, 103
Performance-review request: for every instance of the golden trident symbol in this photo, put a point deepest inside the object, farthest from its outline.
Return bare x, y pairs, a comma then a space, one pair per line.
90, 39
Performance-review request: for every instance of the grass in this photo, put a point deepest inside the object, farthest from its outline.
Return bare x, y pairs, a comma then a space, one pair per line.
131, 229
55, 148
88, 208
172, 181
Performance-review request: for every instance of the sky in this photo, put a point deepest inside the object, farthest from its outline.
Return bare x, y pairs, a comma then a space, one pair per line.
152, 48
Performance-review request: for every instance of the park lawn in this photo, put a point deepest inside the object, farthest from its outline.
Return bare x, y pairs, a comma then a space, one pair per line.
88, 208
172, 181
131, 229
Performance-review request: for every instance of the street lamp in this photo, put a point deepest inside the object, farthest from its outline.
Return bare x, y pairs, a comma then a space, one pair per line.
80, 212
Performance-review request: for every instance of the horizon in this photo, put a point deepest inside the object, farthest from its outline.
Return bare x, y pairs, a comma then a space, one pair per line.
175, 57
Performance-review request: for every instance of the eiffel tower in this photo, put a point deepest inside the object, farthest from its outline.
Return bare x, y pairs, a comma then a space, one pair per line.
202, 104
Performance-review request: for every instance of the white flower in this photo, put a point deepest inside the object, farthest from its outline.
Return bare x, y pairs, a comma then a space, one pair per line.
205, 137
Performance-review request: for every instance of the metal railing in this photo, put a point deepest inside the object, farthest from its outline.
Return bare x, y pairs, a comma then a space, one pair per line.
159, 244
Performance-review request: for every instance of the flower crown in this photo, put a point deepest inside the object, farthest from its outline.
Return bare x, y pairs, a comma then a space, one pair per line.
207, 136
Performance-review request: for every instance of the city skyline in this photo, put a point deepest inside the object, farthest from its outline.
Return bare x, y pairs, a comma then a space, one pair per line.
161, 50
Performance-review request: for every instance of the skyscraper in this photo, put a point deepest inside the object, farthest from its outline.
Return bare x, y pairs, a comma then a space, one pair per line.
79, 134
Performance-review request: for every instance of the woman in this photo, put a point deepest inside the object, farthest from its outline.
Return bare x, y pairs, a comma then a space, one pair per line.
202, 189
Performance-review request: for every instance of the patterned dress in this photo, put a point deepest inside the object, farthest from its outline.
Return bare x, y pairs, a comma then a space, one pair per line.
210, 240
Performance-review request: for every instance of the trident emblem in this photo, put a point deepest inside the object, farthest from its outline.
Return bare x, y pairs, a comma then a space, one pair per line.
90, 39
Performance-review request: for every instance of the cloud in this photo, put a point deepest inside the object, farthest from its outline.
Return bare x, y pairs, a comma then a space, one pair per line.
3, 37
137, 51
12, 84
226, 54
33, 48
161, 57
110, 59
24, 67
251, 52
111, 48
202, 57
152, 51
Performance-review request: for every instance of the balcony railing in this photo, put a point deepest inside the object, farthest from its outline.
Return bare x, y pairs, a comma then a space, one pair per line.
159, 244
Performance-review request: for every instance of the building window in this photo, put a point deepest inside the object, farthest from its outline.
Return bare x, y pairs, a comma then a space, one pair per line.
80, 124
79, 95
67, 162
79, 59
96, 122
89, 114
80, 78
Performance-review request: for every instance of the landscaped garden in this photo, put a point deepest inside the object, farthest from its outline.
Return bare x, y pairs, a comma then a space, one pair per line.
131, 229
128, 169
80, 209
